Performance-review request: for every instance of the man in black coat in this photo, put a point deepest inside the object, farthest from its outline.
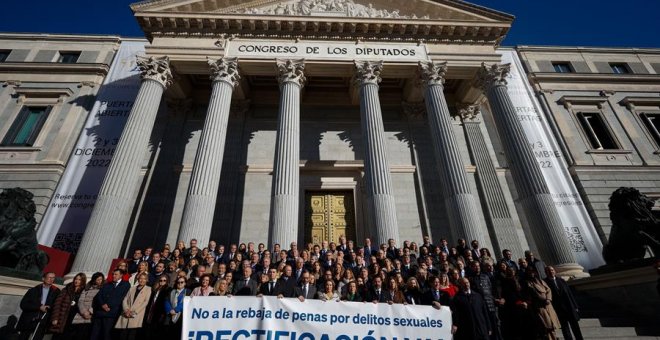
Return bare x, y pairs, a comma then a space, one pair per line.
564, 304
36, 306
434, 295
481, 283
469, 314
270, 288
107, 306
377, 292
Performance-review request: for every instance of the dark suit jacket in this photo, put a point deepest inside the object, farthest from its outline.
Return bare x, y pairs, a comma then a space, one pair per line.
470, 316
311, 292
286, 287
30, 305
429, 297
373, 296
240, 288
563, 300
265, 289
113, 297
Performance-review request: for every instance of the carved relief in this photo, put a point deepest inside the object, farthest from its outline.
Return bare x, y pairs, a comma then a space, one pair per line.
291, 70
157, 69
432, 73
495, 75
341, 8
467, 111
368, 72
225, 69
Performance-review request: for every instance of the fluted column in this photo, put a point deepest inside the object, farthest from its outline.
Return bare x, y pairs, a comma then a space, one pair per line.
380, 200
459, 201
286, 172
200, 204
542, 216
107, 226
503, 235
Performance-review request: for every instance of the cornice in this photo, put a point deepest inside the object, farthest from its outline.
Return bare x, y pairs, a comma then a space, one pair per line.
594, 77
588, 49
57, 68
61, 37
156, 24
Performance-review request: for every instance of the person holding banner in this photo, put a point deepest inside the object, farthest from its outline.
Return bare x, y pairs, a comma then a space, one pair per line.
174, 307
329, 293
394, 294
352, 294
377, 293
306, 290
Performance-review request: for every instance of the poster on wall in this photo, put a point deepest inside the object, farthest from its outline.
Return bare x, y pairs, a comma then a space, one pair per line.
268, 317
579, 228
71, 206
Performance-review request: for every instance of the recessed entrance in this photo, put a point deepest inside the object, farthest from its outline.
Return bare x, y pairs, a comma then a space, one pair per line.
329, 215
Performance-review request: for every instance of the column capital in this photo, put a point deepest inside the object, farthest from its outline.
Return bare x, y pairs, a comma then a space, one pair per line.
157, 69
414, 110
466, 111
291, 71
493, 75
432, 73
368, 72
224, 69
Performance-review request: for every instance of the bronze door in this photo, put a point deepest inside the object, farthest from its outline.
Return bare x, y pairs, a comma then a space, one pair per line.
329, 215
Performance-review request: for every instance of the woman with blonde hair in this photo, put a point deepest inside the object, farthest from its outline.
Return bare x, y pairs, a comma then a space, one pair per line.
133, 309
142, 268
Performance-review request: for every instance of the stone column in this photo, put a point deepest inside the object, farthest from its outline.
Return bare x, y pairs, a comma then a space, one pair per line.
542, 216
459, 201
380, 200
503, 234
286, 168
198, 211
107, 226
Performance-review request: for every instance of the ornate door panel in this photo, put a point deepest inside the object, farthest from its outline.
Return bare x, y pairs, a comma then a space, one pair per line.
329, 215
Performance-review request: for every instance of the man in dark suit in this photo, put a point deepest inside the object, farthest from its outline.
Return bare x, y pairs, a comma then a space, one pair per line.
269, 288
564, 304
137, 258
469, 314
286, 283
108, 305
368, 249
306, 290
434, 295
36, 306
246, 286
377, 293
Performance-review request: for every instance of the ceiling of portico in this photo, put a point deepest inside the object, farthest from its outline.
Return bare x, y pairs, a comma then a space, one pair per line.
432, 20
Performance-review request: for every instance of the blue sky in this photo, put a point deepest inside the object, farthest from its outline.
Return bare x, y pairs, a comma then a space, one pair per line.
631, 23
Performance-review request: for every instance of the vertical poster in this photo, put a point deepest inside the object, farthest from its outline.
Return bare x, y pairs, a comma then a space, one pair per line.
579, 228
71, 206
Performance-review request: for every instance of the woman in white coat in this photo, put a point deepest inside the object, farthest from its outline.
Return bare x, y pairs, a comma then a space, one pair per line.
134, 306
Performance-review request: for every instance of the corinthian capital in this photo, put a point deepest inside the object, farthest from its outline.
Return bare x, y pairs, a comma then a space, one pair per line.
225, 69
368, 72
467, 111
492, 76
291, 71
432, 73
157, 69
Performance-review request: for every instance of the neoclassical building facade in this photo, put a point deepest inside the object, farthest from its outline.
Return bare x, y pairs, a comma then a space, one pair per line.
308, 120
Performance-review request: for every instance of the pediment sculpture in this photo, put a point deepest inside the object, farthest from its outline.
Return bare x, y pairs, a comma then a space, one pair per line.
339, 8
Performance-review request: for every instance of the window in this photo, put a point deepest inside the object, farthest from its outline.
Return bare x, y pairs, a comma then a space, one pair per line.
562, 67
652, 122
69, 57
26, 127
596, 130
4, 55
619, 68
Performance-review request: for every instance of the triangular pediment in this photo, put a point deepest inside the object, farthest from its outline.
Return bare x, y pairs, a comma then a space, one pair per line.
445, 10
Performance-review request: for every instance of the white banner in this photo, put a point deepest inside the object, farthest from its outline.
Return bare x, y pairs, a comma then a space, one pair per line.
578, 226
326, 50
270, 318
71, 205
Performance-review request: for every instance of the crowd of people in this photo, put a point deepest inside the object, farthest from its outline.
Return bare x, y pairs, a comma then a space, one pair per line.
490, 298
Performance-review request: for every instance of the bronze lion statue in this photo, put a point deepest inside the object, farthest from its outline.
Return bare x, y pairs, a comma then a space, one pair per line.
18, 240
634, 227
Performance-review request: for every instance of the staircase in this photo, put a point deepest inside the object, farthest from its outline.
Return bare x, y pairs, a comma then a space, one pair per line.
603, 320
